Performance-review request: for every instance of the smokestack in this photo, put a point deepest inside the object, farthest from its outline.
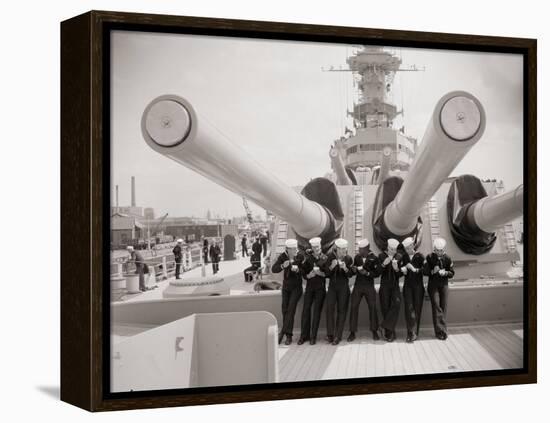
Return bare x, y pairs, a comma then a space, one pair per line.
133, 191
117, 197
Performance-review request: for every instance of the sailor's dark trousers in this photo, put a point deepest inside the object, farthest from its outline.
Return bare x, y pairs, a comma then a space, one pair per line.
439, 293
291, 294
390, 303
314, 297
178, 267
337, 301
363, 289
413, 297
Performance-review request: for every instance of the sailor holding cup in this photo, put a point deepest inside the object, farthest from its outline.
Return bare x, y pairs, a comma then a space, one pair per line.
366, 267
413, 288
439, 269
290, 262
390, 295
340, 269
314, 270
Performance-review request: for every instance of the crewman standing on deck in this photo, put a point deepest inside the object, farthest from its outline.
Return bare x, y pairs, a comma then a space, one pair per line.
141, 267
257, 246
244, 246
413, 288
178, 257
290, 262
263, 241
439, 269
339, 271
390, 294
366, 267
215, 253
314, 269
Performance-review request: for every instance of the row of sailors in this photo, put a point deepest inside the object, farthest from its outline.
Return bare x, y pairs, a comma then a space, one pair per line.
396, 262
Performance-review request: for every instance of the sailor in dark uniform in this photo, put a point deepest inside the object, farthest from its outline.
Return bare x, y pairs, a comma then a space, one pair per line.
215, 253
263, 241
290, 262
439, 269
257, 246
178, 257
390, 294
244, 246
366, 267
340, 269
314, 272
413, 288
205, 250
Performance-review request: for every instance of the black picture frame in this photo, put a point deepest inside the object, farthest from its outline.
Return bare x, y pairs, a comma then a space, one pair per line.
85, 208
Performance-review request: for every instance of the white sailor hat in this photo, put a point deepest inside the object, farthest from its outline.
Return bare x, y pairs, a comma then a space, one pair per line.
407, 241
315, 242
180, 241
439, 243
341, 243
291, 243
363, 243
130, 248
393, 243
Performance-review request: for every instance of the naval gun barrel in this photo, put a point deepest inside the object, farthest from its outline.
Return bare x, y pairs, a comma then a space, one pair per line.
489, 213
171, 126
384, 165
457, 123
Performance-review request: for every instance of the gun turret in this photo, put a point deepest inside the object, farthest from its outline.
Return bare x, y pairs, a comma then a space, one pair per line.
171, 126
475, 217
457, 123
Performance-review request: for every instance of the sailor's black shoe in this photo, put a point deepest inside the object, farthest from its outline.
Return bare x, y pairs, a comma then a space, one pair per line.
329, 339
301, 341
336, 341
312, 341
281, 336
409, 338
288, 340
375, 335
351, 337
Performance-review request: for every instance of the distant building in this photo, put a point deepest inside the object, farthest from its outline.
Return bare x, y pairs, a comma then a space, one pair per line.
125, 229
128, 210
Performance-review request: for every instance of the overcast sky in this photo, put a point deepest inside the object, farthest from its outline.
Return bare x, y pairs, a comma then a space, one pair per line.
272, 99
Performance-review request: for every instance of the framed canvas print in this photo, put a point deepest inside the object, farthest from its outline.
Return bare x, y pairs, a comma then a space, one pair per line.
255, 211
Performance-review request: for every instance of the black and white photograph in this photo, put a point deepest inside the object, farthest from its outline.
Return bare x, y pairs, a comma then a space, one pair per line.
296, 211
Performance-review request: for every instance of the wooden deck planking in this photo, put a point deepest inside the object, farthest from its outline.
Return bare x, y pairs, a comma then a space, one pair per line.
370, 354
485, 340
484, 361
450, 359
484, 347
410, 366
466, 363
512, 341
413, 355
510, 356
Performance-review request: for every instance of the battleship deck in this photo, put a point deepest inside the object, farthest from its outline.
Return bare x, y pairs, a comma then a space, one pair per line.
485, 331
468, 348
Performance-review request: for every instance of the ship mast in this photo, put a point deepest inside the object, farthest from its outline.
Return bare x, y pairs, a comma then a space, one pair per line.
374, 69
